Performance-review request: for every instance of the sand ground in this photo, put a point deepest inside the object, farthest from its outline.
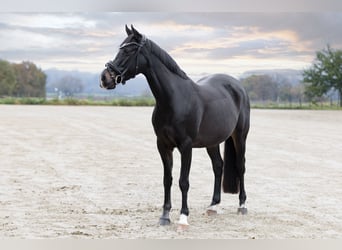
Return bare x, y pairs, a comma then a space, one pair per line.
94, 172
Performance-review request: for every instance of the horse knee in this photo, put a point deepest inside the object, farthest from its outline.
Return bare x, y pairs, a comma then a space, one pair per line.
184, 185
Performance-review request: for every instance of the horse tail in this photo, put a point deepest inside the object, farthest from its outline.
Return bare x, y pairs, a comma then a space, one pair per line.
231, 180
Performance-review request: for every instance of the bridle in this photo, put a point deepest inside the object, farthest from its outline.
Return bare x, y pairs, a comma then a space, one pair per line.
113, 69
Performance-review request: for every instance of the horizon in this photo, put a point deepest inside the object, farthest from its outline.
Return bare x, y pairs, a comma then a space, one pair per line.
241, 76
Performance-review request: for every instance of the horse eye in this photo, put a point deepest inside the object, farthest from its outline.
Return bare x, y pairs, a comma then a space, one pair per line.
129, 49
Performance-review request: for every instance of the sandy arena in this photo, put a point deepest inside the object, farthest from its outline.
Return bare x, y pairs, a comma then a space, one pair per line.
94, 172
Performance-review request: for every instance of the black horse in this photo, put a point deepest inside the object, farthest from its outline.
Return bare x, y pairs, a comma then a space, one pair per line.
186, 115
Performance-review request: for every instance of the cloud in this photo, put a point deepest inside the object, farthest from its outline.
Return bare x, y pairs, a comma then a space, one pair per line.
201, 42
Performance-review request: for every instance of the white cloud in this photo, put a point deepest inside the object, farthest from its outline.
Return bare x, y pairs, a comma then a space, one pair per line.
200, 42
47, 20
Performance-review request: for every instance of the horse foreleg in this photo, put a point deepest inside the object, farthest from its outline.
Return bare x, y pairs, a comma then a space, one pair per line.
186, 155
167, 159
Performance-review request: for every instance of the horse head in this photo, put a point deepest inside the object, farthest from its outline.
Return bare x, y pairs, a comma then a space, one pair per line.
127, 63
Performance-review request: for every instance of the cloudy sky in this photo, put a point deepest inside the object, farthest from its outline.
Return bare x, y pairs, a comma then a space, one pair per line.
201, 43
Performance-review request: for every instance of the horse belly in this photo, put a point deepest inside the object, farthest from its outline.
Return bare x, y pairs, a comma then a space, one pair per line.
218, 123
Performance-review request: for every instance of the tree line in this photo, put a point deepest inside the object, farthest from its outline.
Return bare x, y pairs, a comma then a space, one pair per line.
21, 80
265, 88
320, 82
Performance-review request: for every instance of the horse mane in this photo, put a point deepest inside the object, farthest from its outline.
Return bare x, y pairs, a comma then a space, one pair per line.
167, 60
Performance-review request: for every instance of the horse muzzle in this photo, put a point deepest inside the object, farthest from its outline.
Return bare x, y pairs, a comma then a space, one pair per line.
106, 80
115, 73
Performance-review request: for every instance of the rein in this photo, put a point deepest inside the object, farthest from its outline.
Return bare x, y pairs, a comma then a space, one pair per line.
113, 69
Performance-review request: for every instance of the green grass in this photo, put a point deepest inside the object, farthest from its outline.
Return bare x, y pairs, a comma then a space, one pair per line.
22, 101
136, 101
149, 101
297, 106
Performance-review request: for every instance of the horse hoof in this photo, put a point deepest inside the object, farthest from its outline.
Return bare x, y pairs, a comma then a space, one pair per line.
211, 212
182, 223
242, 210
182, 227
164, 221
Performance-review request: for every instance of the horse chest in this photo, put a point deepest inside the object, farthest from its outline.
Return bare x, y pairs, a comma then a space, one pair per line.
167, 135
169, 129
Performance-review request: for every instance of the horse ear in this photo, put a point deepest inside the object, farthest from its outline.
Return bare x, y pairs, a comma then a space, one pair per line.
128, 31
136, 33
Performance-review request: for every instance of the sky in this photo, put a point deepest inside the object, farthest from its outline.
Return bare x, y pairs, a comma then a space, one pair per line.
201, 42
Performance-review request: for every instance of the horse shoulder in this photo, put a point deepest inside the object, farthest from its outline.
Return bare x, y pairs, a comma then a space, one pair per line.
179, 121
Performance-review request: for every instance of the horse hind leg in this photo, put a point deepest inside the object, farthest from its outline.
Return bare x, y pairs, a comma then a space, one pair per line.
217, 164
240, 149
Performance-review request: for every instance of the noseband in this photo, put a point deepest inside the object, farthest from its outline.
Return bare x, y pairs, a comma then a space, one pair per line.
113, 69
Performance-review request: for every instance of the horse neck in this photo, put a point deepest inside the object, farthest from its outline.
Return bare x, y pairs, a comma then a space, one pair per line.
167, 87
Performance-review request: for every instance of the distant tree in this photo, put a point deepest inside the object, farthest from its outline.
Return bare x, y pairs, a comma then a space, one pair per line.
285, 90
291, 92
69, 85
30, 80
7, 79
261, 88
325, 74
297, 93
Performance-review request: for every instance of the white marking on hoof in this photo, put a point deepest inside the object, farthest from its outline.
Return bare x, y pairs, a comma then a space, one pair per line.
183, 220
212, 210
182, 223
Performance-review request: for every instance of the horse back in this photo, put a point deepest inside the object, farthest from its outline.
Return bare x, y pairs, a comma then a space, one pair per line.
220, 86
